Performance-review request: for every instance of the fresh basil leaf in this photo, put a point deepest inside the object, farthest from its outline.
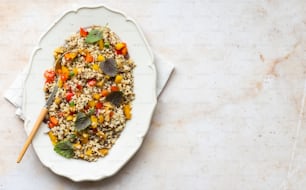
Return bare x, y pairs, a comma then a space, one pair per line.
93, 36
115, 98
64, 148
109, 67
82, 121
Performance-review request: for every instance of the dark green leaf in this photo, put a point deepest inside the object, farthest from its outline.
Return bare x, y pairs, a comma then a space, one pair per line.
93, 36
64, 148
82, 121
109, 67
115, 98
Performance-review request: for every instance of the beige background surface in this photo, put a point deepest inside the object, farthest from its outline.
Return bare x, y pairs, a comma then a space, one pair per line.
231, 117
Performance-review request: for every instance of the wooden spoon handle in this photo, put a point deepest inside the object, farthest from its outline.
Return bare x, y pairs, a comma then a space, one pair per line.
40, 118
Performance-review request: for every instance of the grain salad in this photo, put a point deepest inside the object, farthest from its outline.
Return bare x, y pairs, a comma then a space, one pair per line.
95, 91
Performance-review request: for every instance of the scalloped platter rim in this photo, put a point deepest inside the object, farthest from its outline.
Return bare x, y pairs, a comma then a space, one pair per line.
144, 88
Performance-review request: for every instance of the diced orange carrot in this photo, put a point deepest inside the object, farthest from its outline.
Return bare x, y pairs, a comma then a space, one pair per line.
50, 125
124, 51
88, 58
104, 93
53, 120
70, 56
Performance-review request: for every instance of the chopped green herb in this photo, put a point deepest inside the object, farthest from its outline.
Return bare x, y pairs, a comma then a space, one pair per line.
71, 74
72, 137
71, 103
106, 44
91, 111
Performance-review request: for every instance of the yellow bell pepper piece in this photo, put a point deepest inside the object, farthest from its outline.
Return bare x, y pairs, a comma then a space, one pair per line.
95, 67
70, 56
60, 83
57, 100
127, 111
103, 151
96, 96
118, 78
119, 46
77, 145
69, 118
94, 121
84, 138
101, 44
100, 58
101, 134
100, 84
92, 103
52, 137
88, 152
65, 70
75, 71
101, 118
59, 50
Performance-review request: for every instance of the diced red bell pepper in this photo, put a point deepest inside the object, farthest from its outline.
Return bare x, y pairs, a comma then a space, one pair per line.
121, 48
69, 96
92, 82
114, 88
99, 105
83, 32
79, 87
49, 76
111, 114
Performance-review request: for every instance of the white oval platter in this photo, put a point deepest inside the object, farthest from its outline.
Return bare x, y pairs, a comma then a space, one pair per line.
143, 106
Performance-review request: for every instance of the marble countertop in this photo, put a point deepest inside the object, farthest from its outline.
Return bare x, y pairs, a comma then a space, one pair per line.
231, 117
